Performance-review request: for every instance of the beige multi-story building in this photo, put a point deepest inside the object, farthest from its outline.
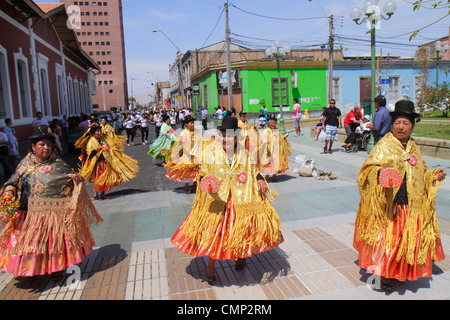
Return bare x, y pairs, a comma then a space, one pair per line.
100, 34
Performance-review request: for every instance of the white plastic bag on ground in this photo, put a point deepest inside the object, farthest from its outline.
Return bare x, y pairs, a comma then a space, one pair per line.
301, 162
298, 162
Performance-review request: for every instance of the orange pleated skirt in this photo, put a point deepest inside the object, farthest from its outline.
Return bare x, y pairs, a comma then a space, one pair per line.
381, 260
218, 249
186, 175
100, 167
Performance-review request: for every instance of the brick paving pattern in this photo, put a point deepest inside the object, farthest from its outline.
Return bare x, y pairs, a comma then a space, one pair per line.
311, 261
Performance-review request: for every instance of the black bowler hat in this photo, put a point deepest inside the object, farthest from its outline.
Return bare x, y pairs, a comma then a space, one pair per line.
42, 132
272, 118
228, 123
188, 119
404, 108
94, 128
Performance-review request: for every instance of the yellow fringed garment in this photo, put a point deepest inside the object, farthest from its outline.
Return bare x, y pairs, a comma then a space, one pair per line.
120, 167
274, 151
253, 209
186, 153
59, 211
374, 221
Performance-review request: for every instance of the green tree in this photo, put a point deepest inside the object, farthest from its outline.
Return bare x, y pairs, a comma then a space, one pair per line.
434, 5
435, 98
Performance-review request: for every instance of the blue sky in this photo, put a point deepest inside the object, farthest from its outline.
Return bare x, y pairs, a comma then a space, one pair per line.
192, 24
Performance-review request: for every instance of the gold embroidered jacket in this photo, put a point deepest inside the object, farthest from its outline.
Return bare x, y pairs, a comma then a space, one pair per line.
375, 213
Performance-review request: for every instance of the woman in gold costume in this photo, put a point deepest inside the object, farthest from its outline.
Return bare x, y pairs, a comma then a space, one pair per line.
278, 148
49, 228
232, 217
396, 231
184, 157
105, 165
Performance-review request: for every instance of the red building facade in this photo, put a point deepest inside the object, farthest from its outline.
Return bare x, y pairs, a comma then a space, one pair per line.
42, 67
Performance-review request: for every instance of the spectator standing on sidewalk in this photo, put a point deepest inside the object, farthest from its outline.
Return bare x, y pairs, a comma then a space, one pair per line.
204, 117
13, 147
4, 158
381, 120
39, 120
65, 127
296, 116
331, 123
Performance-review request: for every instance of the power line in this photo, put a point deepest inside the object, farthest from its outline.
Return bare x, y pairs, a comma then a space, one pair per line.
276, 18
221, 13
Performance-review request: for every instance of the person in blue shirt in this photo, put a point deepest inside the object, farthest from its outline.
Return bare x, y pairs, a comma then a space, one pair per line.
382, 120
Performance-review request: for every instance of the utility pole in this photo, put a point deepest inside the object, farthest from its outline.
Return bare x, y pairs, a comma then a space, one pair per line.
330, 59
227, 37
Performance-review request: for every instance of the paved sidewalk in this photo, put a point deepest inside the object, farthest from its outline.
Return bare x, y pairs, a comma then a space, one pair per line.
135, 260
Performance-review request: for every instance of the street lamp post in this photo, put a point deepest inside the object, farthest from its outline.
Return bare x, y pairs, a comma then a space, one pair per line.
132, 94
179, 56
373, 16
277, 51
438, 51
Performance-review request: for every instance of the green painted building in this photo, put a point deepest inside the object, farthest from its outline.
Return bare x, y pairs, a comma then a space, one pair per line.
255, 82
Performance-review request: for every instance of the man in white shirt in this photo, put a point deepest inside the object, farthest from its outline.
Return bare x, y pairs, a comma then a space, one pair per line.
181, 117
39, 120
204, 117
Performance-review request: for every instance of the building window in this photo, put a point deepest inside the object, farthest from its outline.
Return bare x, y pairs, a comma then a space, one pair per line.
60, 89
45, 92
5, 88
336, 93
71, 96
205, 95
82, 100
23, 85
393, 88
88, 100
77, 96
276, 99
